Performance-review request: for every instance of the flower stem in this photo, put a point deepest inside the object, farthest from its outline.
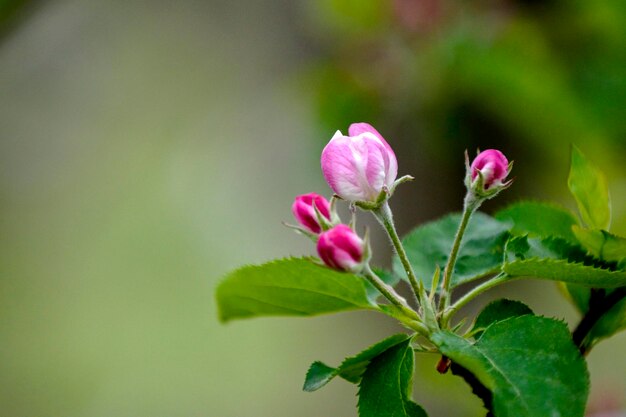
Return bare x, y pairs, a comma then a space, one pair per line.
473, 293
470, 205
385, 217
389, 293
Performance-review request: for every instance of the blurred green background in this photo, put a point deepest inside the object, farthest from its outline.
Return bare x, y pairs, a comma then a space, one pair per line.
148, 147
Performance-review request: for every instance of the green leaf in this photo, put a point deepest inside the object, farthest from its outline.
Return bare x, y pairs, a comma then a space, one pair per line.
289, 287
352, 368
429, 245
386, 386
529, 364
562, 270
611, 322
577, 294
539, 220
499, 310
601, 244
590, 189
552, 260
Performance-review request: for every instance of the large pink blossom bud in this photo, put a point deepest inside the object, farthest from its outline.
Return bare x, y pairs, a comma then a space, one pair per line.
303, 209
342, 249
358, 166
493, 167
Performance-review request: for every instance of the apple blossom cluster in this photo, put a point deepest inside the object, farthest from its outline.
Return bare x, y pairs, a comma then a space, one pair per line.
362, 168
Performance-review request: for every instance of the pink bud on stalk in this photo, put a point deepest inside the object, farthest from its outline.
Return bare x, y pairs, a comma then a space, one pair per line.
360, 166
342, 249
303, 209
493, 167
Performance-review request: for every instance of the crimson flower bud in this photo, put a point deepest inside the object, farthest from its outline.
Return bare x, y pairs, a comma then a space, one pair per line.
303, 209
493, 167
342, 249
359, 166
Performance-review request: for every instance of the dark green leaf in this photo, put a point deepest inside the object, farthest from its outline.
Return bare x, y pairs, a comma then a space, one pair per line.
589, 187
529, 363
611, 322
352, 368
318, 375
428, 246
539, 220
289, 287
601, 244
499, 310
386, 386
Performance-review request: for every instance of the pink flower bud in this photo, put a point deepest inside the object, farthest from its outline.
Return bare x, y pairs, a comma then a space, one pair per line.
340, 248
304, 212
358, 166
493, 166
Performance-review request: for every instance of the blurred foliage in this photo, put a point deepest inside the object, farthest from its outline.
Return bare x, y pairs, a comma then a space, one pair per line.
9, 10
529, 77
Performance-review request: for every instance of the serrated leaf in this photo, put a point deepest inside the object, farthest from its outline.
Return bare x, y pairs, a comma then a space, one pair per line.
352, 368
601, 244
289, 287
562, 270
386, 386
499, 310
555, 260
529, 364
428, 246
539, 220
590, 189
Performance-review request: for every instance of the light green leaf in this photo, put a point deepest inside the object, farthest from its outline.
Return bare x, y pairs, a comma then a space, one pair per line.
590, 189
352, 368
428, 246
601, 244
386, 386
529, 364
539, 220
499, 310
289, 287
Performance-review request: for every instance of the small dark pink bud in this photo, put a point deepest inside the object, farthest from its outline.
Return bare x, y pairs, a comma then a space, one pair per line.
342, 249
493, 166
304, 212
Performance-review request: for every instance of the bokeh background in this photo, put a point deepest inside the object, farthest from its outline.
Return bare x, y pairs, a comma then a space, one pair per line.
149, 147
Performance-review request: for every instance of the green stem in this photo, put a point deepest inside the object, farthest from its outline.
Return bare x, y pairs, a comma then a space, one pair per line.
470, 205
385, 217
493, 282
389, 293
